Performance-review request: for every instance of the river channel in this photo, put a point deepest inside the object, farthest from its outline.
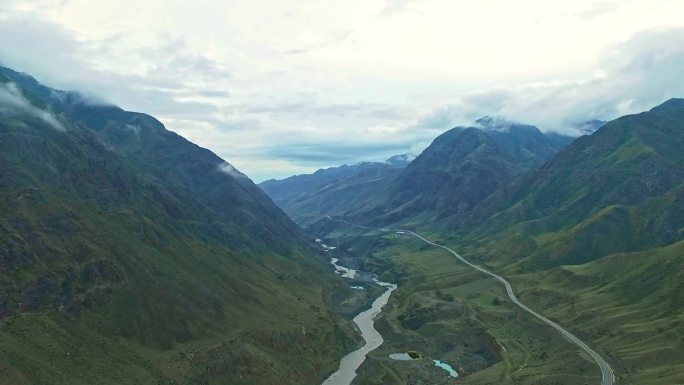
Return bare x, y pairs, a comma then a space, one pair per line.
365, 322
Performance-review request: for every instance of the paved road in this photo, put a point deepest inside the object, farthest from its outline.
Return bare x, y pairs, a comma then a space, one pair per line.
607, 376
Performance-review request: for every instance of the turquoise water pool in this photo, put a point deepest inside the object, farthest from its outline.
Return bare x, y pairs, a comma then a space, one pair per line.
446, 367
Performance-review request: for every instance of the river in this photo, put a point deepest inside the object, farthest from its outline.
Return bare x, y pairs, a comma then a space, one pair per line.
364, 320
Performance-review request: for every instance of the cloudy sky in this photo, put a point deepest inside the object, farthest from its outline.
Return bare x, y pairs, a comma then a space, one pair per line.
279, 87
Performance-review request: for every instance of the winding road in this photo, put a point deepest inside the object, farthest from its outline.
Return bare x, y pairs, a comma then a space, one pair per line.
607, 375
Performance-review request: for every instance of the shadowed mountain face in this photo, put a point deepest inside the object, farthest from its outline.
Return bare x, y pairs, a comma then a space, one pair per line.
122, 242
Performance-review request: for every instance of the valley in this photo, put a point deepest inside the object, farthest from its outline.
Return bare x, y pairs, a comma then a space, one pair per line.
444, 310
564, 241
360, 192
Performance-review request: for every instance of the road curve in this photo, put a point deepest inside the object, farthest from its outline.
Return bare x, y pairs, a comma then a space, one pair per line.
607, 376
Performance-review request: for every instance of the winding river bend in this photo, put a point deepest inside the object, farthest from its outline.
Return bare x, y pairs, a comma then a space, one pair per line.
364, 320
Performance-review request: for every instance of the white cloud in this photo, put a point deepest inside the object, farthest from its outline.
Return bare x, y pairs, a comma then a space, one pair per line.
599, 8
631, 77
232, 171
392, 7
258, 81
13, 103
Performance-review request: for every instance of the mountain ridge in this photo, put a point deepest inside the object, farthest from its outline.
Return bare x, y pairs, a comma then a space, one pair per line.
122, 242
481, 159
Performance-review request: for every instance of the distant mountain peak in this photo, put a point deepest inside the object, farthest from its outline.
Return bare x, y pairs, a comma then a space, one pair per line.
495, 123
590, 126
400, 160
501, 124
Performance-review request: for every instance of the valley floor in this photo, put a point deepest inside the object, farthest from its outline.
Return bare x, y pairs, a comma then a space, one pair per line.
447, 311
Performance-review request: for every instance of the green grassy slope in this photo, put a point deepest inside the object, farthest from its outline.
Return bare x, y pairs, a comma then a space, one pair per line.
617, 190
630, 304
130, 255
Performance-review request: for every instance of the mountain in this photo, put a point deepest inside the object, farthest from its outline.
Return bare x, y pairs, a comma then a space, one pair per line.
595, 239
618, 190
591, 236
131, 255
401, 160
308, 198
590, 126
461, 168
523, 143
589, 231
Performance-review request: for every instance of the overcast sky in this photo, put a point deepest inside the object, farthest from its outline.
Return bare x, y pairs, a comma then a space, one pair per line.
285, 86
